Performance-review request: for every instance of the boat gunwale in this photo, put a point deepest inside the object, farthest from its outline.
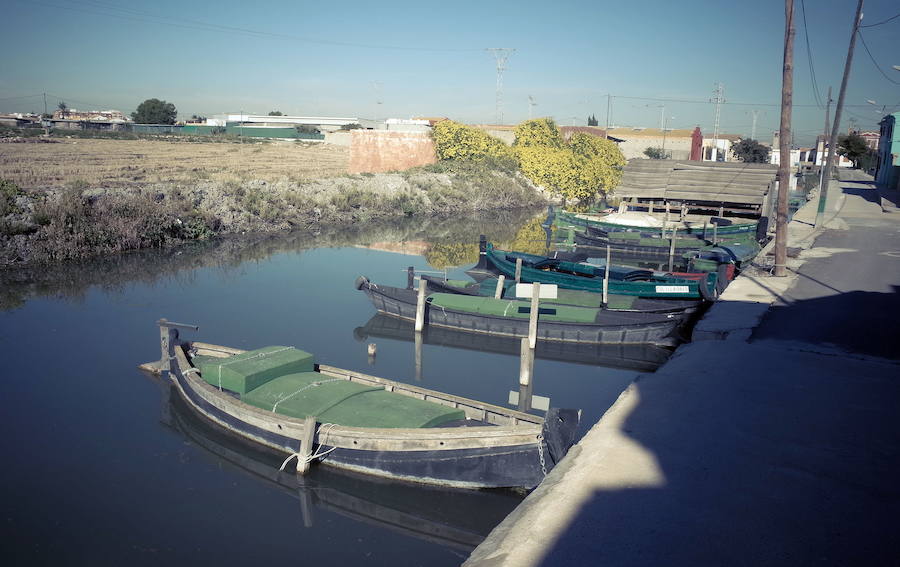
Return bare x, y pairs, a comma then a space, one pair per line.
523, 431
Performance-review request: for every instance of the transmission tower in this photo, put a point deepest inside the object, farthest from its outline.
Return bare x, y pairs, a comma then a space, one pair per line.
718, 98
501, 54
531, 105
753, 130
376, 86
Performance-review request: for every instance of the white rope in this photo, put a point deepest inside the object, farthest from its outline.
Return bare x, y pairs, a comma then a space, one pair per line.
318, 454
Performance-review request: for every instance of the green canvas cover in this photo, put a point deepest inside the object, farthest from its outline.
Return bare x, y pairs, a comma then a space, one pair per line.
513, 308
246, 371
335, 400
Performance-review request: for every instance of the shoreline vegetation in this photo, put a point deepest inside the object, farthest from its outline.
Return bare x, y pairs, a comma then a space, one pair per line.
78, 198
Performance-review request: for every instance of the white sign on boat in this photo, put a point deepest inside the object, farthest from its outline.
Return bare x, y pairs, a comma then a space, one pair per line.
525, 290
672, 289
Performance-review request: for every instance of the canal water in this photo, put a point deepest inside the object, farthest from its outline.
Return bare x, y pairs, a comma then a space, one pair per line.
103, 465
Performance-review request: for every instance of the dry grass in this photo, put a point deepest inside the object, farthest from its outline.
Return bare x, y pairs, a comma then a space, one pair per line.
106, 163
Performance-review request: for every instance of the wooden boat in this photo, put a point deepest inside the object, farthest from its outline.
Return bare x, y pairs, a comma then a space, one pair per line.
280, 398
731, 249
453, 518
695, 226
575, 275
487, 287
510, 317
638, 357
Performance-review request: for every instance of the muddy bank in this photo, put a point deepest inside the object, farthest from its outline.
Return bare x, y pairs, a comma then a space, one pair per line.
80, 221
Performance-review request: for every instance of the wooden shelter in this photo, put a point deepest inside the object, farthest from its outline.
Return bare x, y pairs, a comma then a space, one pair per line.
728, 188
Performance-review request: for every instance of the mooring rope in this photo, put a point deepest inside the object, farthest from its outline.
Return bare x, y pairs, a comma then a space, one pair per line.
319, 453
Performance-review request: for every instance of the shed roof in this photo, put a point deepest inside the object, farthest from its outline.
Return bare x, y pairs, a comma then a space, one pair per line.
721, 182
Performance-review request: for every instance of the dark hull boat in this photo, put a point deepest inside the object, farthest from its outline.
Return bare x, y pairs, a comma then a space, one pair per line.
639, 357
727, 250
453, 518
574, 275
510, 317
279, 398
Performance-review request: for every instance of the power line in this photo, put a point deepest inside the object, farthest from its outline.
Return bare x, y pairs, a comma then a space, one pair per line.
883, 22
20, 97
812, 71
156, 19
877, 66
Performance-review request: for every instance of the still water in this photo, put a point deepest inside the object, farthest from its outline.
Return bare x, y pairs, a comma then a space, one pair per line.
103, 466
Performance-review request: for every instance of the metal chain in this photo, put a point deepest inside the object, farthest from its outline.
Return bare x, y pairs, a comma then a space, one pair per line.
540, 439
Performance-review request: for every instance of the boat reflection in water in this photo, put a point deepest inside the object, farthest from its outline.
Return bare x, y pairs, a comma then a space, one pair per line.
457, 519
640, 357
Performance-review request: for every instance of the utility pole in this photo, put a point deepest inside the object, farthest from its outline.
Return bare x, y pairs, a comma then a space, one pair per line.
501, 54
531, 105
718, 98
608, 107
829, 163
824, 140
45, 104
784, 136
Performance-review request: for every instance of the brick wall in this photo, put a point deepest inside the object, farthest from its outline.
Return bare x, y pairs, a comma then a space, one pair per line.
376, 151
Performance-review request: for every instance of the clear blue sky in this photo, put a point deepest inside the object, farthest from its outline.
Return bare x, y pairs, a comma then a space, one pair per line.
428, 58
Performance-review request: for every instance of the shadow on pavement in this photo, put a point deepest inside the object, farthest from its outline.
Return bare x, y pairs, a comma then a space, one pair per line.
869, 194
862, 322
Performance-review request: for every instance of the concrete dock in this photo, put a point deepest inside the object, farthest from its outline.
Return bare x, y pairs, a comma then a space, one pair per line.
771, 439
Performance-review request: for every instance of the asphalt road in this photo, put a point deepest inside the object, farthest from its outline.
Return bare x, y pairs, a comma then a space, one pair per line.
858, 309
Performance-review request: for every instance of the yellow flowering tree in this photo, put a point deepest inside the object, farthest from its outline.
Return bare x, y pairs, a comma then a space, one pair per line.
453, 140
584, 168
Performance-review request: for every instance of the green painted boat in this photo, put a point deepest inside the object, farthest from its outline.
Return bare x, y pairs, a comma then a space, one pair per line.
575, 275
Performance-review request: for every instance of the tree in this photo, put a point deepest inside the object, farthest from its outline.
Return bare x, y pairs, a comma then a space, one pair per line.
155, 111
853, 147
592, 120
750, 151
63, 108
655, 153
584, 168
275, 113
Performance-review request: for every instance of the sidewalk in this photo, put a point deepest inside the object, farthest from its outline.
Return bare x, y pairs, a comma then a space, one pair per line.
758, 443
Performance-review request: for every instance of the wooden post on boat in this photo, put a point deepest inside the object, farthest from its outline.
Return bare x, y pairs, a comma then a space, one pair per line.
420, 306
605, 297
704, 229
526, 362
410, 277
715, 233
683, 211
418, 355
666, 221
306, 444
499, 291
722, 210
535, 308
672, 247
168, 338
518, 270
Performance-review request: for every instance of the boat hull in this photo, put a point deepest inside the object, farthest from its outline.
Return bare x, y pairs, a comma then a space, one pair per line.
505, 449
612, 327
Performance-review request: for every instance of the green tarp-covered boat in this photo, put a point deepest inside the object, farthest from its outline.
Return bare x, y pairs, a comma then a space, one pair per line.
279, 397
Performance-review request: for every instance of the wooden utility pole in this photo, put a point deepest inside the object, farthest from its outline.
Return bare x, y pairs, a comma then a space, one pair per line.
824, 144
784, 141
829, 163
